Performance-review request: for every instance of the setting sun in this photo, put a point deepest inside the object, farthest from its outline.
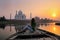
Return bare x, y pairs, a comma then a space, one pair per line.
54, 15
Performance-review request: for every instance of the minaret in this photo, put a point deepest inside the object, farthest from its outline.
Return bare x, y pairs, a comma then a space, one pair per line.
10, 16
30, 15
16, 14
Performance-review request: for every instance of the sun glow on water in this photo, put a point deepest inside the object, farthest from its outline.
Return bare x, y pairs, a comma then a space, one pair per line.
54, 28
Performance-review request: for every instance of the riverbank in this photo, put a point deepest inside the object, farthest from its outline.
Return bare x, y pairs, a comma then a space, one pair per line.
21, 22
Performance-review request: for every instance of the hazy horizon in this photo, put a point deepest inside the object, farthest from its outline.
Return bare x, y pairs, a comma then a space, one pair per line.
41, 8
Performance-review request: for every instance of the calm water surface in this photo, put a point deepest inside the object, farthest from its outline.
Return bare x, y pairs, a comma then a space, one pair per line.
6, 31
51, 28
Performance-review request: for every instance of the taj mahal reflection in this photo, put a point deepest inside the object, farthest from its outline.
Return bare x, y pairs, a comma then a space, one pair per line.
18, 28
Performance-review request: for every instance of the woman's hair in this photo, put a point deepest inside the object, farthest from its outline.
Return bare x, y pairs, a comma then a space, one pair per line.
32, 20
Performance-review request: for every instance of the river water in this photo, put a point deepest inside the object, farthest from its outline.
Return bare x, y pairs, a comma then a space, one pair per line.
7, 30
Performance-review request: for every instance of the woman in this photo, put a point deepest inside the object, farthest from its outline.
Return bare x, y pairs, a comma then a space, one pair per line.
30, 27
33, 24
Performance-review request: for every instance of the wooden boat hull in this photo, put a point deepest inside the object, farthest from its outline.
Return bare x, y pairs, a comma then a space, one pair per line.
22, 36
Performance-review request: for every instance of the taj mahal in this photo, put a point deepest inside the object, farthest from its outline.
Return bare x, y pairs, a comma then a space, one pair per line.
20, 15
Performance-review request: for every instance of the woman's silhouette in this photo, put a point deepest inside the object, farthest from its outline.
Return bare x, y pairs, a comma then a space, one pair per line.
33, 24
30, 27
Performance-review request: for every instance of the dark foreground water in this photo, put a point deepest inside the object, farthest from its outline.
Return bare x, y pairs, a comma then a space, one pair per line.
6, 31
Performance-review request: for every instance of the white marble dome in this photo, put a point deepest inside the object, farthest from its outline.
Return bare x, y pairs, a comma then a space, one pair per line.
20, 16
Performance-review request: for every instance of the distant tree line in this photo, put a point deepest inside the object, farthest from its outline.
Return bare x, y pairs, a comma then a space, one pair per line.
2, 18
43, 20
46, 20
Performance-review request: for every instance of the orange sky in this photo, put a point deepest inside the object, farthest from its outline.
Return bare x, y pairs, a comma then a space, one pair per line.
40, 8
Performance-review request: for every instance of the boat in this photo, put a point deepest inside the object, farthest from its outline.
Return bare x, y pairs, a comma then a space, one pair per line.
57, 23
31, 36
27, 35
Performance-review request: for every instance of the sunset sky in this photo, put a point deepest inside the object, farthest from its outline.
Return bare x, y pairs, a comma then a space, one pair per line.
40, 8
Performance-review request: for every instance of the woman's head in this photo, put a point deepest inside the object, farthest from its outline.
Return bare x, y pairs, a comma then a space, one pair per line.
32, 20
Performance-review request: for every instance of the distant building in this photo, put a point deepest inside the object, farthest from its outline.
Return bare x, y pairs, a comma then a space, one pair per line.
20, 16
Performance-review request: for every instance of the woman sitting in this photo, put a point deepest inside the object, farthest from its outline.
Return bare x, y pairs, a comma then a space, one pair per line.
30, 27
